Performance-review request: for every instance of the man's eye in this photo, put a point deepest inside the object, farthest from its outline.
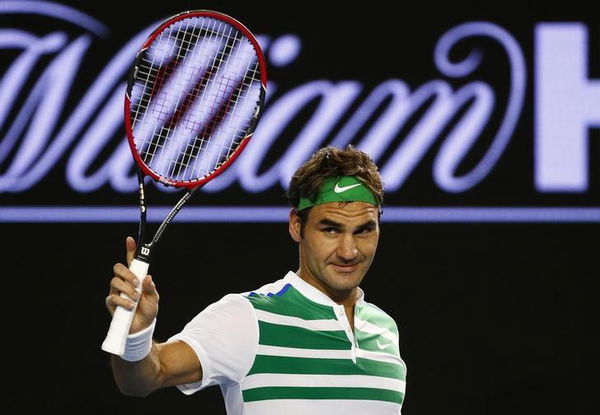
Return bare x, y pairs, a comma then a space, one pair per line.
331, 230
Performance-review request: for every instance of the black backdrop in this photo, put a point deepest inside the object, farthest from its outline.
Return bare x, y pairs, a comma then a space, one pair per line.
494, 318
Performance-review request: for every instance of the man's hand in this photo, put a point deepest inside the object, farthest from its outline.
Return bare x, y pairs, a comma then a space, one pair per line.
124, 281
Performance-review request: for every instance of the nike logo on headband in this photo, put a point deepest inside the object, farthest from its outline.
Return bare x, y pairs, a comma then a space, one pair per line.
342, 189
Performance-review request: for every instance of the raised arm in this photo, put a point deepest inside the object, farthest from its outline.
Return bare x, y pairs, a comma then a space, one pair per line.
146, 365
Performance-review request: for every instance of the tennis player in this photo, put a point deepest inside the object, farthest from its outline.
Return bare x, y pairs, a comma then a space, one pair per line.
308, 343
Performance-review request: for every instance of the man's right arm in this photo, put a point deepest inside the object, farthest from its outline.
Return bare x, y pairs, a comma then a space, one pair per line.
166, 364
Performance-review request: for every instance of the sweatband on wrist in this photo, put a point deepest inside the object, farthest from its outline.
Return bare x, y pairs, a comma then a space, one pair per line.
138, 345
339, 189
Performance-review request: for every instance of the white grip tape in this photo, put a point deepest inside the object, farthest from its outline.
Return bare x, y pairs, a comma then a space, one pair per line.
122, 318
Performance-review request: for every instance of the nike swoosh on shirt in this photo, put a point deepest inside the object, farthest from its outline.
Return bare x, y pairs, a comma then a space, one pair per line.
342, 189
382, 346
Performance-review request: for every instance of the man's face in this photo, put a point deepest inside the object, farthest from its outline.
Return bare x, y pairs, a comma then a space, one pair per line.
338, 245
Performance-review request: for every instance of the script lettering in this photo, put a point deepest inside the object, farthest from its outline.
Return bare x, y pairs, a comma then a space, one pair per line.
97, 155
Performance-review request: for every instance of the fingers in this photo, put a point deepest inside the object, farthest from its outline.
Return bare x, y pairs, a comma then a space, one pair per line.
149, 290
124, 292
114, 300
148, 306
123, 273
123, 282
130, 247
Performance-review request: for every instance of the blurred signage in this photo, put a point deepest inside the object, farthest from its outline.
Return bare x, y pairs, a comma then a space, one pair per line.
61, 127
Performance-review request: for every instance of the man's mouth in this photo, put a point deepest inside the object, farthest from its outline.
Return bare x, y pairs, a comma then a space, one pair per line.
346, 268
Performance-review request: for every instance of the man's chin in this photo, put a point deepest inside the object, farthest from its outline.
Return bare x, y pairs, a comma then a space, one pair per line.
345, 281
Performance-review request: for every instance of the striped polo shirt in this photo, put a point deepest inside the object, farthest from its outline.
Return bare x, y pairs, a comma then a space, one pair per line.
296, 353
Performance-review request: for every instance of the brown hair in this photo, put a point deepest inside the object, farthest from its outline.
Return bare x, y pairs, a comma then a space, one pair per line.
330, 162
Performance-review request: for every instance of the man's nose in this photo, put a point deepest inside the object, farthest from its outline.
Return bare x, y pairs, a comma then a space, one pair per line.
347, 249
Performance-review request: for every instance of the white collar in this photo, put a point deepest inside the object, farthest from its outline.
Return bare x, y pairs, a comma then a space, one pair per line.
313, 293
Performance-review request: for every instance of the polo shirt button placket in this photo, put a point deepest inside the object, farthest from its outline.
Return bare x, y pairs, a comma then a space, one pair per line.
343, 320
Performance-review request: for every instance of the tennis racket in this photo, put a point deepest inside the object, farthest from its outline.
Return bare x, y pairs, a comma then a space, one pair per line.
194, 96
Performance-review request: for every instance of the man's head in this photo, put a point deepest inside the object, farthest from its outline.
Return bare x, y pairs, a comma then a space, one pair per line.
327, 166
336, 198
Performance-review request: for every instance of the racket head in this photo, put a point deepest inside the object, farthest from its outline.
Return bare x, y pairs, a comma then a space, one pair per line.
193, 98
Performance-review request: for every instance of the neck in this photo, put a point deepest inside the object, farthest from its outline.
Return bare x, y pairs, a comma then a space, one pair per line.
341, 297
346, 298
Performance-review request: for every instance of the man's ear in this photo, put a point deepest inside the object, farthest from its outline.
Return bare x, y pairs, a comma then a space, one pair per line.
294, 225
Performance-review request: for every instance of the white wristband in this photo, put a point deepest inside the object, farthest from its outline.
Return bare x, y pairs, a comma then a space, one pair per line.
138, 345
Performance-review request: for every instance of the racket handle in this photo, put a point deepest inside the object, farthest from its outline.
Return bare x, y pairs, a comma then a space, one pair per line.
122, 318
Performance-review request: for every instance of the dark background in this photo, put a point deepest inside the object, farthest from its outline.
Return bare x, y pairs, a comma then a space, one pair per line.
494, 318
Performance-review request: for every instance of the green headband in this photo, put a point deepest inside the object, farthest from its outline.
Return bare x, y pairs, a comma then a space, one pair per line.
339, 189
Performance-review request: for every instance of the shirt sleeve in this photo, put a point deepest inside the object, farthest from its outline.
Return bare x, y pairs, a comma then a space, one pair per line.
225, 338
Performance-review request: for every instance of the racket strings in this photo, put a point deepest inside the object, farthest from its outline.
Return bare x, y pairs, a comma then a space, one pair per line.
177, 42
189, 154
230, 126
177, 163
196, 92
218, 150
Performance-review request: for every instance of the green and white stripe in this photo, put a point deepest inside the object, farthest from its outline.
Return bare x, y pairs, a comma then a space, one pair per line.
305, 355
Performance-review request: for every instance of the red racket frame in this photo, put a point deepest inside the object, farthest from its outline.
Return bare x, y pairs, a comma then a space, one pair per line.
263, 80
